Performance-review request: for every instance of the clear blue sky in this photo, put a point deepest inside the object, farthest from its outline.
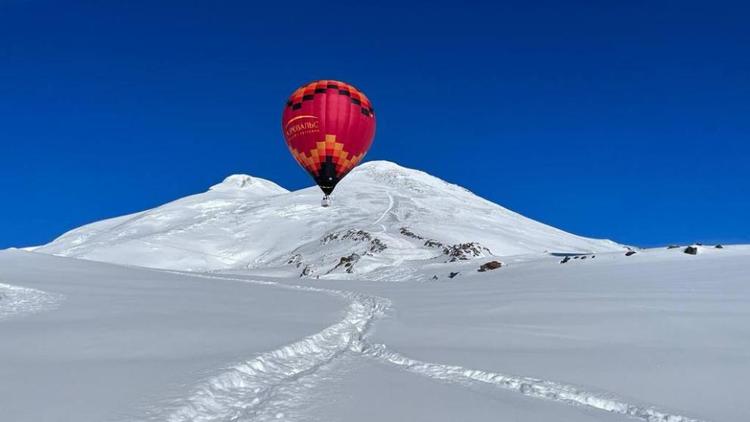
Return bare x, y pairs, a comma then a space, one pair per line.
625, 120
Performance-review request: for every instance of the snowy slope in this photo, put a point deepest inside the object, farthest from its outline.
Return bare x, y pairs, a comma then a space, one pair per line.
661, 336
87, 341
383, 215
660, 328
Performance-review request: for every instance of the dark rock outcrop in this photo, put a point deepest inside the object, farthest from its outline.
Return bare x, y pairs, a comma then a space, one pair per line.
488, 266
629, 253
376, 245
347, 262
465, 251
408, 233
433, 243
295, 260
691, 250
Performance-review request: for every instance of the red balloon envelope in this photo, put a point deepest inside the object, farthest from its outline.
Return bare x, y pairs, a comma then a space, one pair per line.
328, 127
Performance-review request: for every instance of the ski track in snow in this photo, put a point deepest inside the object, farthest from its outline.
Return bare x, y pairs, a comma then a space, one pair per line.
531, 387
390, 207
251, 390
17, 301
248, 391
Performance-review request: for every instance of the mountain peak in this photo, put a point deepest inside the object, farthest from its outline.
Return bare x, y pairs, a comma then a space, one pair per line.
383, 216
248, 183
392, 175
383, 166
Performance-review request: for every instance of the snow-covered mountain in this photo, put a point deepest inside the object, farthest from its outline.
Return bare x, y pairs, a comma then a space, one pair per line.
383, 215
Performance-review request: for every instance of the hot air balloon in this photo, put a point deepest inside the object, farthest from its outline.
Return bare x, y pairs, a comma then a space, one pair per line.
328, 126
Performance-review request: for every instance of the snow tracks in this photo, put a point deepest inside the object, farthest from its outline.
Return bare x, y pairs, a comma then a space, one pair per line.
527, 386
261, 388
17, 301
251, 390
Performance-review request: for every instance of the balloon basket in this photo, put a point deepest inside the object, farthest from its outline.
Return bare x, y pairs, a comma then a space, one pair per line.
326, 202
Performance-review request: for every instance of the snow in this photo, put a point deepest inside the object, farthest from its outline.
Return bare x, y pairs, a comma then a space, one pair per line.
660, 330
251, 185
125, 339
659, 336
199, 313
250, 223
16, 301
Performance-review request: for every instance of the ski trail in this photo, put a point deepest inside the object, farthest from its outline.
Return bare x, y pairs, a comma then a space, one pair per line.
16, 301
243, 391
252, 390
390, 207
531, 387
249, 390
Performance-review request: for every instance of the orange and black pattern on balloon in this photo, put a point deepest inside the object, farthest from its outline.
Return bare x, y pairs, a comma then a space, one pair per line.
328, 126
309, 91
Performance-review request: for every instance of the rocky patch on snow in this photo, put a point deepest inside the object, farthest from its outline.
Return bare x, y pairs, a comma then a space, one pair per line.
568, 257
489, 266
465, 251
295, 260
376, 245
408, 233
307, 271
347, 263
456, 252
337, 251
691, 250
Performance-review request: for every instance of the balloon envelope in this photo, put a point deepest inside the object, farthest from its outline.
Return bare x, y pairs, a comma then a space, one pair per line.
328, 126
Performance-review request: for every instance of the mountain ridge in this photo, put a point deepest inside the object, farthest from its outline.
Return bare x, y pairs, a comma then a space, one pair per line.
383, 216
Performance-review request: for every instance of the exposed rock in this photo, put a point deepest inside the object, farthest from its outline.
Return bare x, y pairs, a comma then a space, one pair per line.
453, 274
628, 253
699, 244
295, 260
673, 246
306, 271
408, 233
434, 277
460, 251
719, 247
583, 257
347, 262
351, 234
492, 265
691, 250
564, 260
593, 256
433, 244
465, 251
376, 245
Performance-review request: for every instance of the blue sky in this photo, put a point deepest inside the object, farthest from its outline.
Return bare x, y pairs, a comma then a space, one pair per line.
625, 120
